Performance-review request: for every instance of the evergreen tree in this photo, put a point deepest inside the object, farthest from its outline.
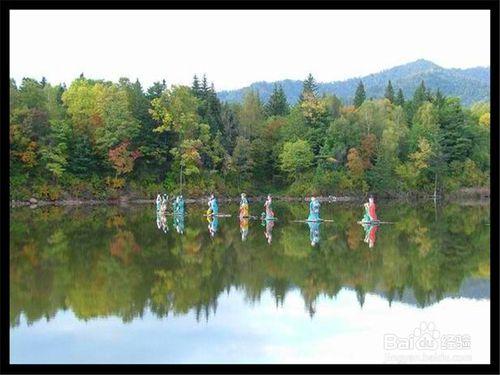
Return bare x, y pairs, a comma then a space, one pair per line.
360, 95
196, 86
230, 125
209, 108
389, 92
156, 90
309, 88
204, 86
400, 99
439, 99
277, 104
82, 158
456, 140
419, 96
213, 110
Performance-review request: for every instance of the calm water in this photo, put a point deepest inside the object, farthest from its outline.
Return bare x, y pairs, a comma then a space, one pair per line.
106, 285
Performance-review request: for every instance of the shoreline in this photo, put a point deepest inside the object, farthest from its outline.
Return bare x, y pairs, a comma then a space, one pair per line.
469, 197
125, 201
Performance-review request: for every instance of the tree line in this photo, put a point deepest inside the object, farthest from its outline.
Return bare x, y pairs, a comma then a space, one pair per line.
101, 139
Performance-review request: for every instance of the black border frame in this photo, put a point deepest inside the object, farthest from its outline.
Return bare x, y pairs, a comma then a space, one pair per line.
491, 5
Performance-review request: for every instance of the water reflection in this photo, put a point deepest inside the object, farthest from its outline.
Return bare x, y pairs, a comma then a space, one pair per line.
179, 223
111, 261
244, 223
268, 233
314, 232
370, 234
213, 225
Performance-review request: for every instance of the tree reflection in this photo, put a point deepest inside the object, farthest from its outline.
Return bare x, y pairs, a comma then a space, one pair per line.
111, 261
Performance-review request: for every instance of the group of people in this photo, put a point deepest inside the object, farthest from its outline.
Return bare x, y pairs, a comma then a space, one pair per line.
162, 204
268, 214
370, 220
178, 212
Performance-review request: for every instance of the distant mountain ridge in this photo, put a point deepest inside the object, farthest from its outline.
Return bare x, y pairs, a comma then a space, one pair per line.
470, 85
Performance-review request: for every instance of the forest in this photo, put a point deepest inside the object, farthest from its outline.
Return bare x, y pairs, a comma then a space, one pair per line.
96, 139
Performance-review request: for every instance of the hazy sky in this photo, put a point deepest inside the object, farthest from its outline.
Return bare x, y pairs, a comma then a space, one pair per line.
235, 48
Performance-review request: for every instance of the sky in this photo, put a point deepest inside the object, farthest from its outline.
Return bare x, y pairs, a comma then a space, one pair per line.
235, 48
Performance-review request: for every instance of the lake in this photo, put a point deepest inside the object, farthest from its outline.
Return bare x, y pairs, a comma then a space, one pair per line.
108, 284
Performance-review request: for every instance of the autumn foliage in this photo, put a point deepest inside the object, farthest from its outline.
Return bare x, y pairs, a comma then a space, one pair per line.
122, 159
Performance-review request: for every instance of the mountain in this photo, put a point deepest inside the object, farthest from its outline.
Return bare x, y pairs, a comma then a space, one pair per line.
471, 288
470, 85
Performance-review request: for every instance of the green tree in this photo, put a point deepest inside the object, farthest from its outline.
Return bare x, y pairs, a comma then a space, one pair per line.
196, 86
296, 157
251, 115
242, 158
413, 172
456, 140
360, 95
389, 92
277, 104
156, 90
177, 112
230, 126
55, 151
309, 88
400, 99
419, 96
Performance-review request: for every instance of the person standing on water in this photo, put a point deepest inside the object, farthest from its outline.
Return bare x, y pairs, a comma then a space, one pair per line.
267, 206
164, 202
314, 210
213, 207
158, 203
179, 205
370, 208
174, 204
244, 212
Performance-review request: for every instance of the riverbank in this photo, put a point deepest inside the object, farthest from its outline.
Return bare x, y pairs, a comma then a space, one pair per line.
33, 202
466, 195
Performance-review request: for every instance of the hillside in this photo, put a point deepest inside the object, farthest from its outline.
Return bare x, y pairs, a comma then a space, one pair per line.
470, 85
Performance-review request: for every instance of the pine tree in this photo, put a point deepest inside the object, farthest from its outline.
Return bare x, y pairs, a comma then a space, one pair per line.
400, 99
389, 92
455, 139
196, 86
277, 104
204, 86
210, 107
360, 95
156, 90
419, 96
309, 88
439, 99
